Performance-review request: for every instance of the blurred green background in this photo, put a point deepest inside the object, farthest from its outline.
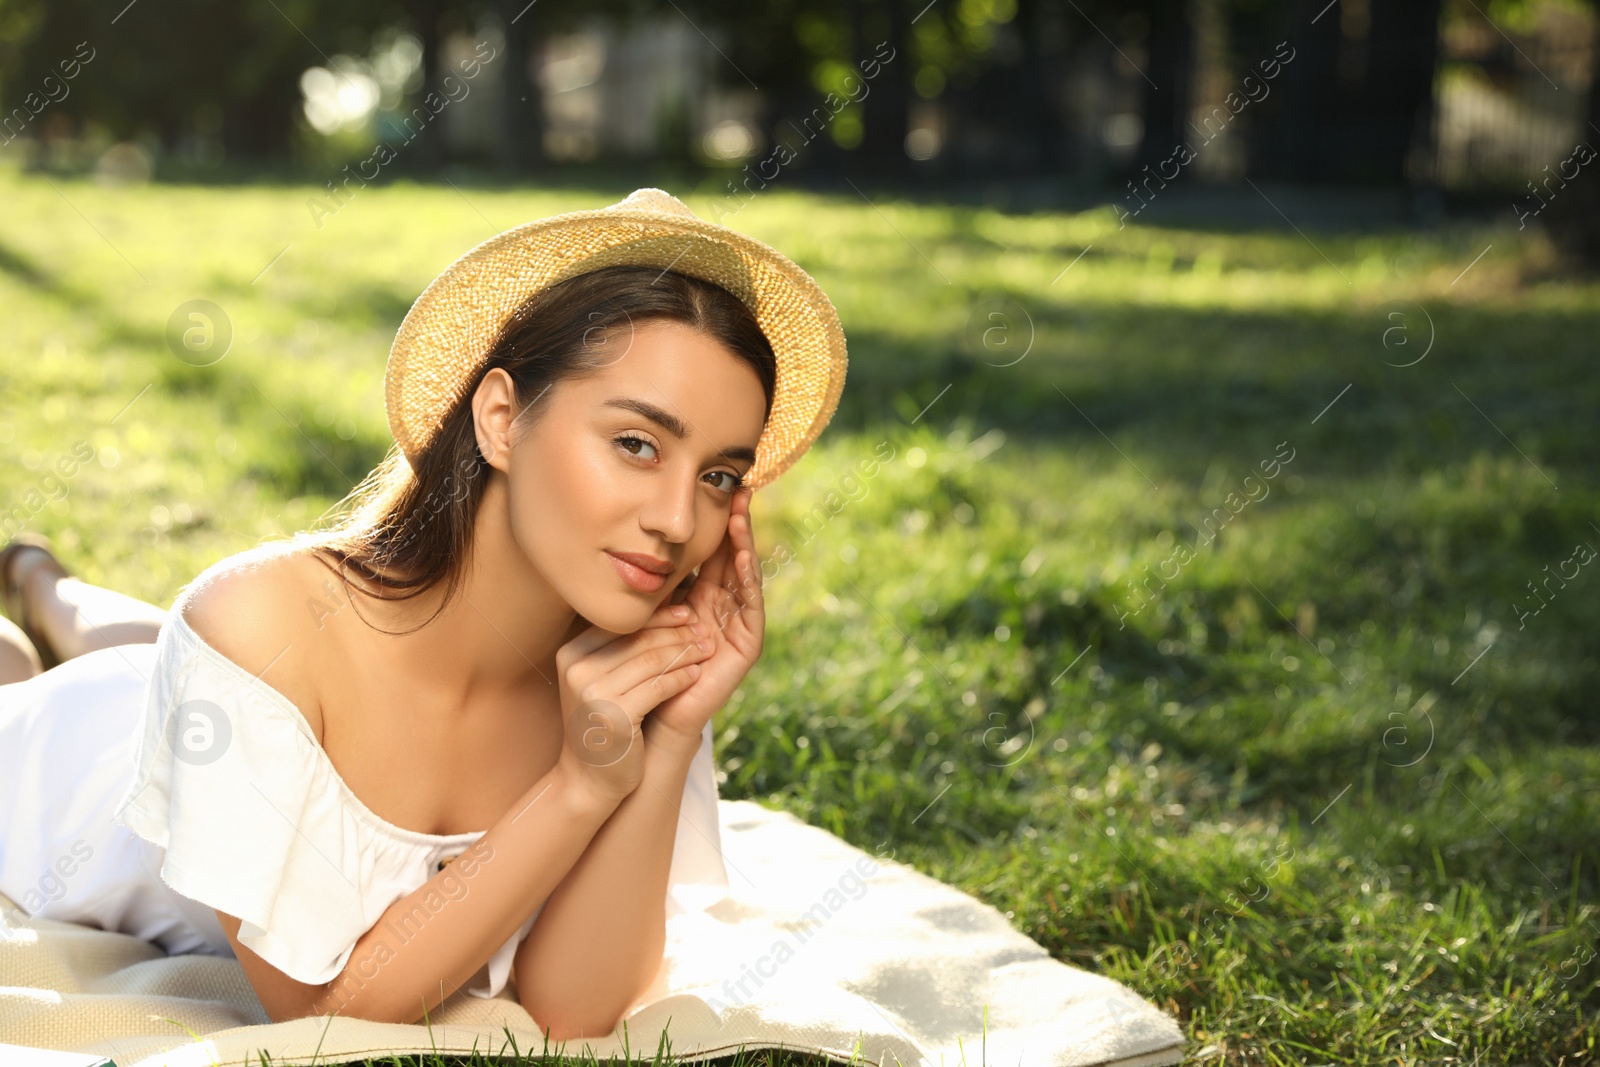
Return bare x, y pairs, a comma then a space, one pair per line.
1319, 784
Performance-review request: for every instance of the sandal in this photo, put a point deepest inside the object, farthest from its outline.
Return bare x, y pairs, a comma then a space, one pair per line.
11, 593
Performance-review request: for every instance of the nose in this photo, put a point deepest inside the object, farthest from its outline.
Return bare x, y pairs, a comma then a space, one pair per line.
669, 512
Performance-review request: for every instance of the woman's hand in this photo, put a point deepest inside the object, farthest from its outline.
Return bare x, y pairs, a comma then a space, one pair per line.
609, 682
727, 599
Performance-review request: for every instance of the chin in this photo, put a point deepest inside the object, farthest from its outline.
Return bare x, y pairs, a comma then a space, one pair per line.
619, 609
620, 621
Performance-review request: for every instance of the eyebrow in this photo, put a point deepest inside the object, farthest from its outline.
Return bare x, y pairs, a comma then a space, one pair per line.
672, 424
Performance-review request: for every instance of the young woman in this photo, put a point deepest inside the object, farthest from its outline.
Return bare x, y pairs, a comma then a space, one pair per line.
525, 623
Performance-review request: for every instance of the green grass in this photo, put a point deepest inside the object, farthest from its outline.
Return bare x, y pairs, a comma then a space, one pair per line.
1318, 795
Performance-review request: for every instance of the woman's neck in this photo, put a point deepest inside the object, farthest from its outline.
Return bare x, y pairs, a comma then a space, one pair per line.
498, 636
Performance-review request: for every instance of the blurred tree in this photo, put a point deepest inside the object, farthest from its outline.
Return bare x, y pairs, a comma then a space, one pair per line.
755, 49
796, 53
827, 119
1168, 75
426, 18
1392, 111
1357, 96
521, 141
972, 59
1040, 26
1575, 216
159, 69
886, 121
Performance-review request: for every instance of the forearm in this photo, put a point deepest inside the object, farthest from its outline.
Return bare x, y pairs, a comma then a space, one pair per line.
435, 938
599, 939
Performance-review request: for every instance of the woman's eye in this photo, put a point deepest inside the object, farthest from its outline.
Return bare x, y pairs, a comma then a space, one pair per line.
630, 443
626, 441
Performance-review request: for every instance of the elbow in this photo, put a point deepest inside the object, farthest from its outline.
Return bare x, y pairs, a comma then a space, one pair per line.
283, 1005
568, 1013
567, 1020
333, 999
282, 1012
563, 1029
565, 1007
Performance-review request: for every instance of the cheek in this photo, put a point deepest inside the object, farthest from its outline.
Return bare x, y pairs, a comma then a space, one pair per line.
712, 527
558, 499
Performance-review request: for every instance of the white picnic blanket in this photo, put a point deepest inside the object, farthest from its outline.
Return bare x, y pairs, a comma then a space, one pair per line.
819, 947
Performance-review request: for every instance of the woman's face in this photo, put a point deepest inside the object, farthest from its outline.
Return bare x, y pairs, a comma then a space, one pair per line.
605, 471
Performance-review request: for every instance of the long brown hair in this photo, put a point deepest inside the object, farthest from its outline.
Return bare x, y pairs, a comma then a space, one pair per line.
407, 528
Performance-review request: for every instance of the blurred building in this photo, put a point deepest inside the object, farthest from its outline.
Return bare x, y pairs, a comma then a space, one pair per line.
1510, 104
603, 92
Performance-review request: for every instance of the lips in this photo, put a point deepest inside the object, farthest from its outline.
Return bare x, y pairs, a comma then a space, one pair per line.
637, 577
645, 563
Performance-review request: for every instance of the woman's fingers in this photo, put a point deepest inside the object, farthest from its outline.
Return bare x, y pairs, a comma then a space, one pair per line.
744, 581
714, 570
584, 645
740, 525
719, 569
594, 638
652, 663
750, 582
669, 615
660, 686
610, 656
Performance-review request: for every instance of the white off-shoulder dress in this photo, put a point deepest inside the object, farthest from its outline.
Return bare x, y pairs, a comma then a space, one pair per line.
142, 786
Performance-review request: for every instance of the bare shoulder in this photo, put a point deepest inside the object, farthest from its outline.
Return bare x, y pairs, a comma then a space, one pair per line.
252, 608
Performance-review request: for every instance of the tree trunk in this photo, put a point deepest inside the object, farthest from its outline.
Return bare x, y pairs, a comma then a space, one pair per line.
426, 153
886, 107
520, 146
1574, 223
1168, 73
1296, 147
1395, 107
1041, 125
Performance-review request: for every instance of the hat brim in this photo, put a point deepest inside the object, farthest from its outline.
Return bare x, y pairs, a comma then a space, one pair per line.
450, 328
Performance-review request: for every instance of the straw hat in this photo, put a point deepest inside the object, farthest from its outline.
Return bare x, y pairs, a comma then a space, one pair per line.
451, 328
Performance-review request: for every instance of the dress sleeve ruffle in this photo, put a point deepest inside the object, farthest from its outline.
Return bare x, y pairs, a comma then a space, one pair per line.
229, 781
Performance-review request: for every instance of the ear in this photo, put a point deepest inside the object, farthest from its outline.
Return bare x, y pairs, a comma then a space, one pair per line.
493, 412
